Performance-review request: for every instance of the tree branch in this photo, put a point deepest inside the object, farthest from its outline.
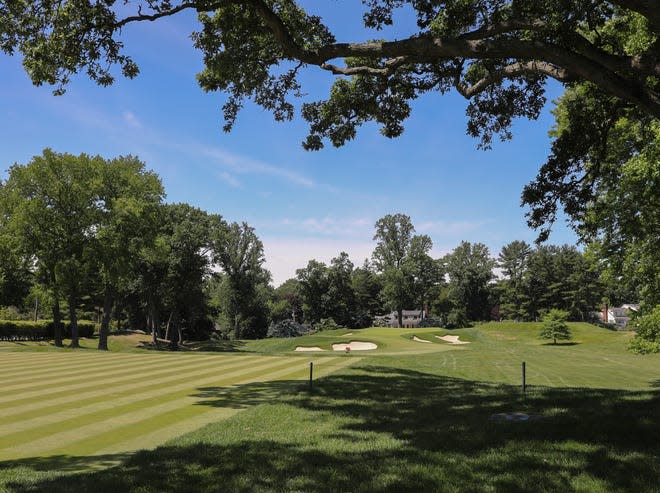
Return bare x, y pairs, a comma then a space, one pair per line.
534, 67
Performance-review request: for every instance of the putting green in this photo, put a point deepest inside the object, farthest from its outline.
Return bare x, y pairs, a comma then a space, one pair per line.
99, 403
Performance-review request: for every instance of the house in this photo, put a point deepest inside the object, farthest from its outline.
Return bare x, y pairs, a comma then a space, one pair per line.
410, 319
619, 316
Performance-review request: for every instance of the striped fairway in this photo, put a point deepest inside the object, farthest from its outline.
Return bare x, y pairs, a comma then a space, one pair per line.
82, 404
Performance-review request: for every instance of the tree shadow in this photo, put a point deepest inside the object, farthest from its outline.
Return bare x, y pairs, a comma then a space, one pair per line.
384, 429
559, 343
219, 346
67, 463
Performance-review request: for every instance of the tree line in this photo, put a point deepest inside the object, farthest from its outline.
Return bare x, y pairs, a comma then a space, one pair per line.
93, 237
83, 234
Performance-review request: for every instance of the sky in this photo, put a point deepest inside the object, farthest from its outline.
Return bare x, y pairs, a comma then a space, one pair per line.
303, 205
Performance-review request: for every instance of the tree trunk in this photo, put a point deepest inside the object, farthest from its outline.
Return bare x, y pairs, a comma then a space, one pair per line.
169, 324
57, 321
155, 325
400, 315
73, 320
108, 301
174, 334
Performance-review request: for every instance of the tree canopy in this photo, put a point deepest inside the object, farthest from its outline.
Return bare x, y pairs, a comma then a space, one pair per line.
496, 53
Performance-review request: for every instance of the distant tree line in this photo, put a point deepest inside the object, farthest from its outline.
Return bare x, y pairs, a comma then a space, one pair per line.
83, 236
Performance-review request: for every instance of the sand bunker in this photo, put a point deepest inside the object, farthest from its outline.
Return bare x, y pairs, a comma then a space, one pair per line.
349, 334
308, 348
452, 339
417, 339
355, 346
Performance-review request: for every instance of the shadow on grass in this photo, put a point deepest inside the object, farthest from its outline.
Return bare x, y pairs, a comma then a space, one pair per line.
559, 344
378, 429
196, 346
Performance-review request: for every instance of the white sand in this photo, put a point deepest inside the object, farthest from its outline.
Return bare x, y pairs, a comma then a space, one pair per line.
452, 339
355, 346
349, 334
417, 339
308, 348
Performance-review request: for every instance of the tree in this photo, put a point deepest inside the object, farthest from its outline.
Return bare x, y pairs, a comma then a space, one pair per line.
470, 270
314, 286
647, 337
555, 327
604, 170
401, 256
287, 302
240, 254
367, 286
562, 278
51, 206
340, 291
130, 198
496, 53
513, 262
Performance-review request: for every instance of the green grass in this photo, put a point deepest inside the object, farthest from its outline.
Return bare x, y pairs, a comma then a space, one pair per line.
408, 416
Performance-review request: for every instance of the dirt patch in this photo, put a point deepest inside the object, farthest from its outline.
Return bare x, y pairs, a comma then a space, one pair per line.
355, 346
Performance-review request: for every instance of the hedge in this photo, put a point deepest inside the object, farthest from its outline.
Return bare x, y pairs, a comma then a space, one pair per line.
19, 330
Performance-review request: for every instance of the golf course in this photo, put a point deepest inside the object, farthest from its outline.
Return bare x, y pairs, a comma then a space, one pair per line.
419, 412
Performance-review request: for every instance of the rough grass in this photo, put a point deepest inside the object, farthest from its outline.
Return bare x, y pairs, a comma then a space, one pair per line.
394, 421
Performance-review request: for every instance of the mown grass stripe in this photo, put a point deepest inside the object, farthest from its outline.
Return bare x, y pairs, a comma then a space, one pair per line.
73, 374
179, 373
81, 415
165, 433
161, 435
139, 421
55, 360
108, 377
39, 407
64, 370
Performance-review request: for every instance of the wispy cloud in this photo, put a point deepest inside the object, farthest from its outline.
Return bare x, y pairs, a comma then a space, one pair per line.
245, 165
131, 120
229, 179
443, 227
331, 226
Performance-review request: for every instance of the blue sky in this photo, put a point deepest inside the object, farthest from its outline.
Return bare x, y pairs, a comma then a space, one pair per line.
302, 204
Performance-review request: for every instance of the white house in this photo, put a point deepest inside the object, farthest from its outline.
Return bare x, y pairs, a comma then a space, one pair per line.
619, 315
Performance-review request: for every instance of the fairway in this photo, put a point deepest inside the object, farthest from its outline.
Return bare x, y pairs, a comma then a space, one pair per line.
107, 403
408, 416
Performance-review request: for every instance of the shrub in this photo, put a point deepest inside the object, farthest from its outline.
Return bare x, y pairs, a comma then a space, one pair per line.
13, 313
430, 322
28, 330
327, 324
287, 328
23, 330
457, 318
647, 339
